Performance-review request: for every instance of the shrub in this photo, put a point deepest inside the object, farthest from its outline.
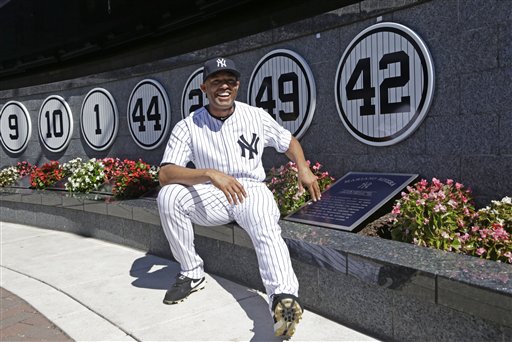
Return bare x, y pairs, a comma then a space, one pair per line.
134, 178
112, 167
85, 177
24, 168
284, 184
46, 175
71, 166
443, 216
9, 176
491, 233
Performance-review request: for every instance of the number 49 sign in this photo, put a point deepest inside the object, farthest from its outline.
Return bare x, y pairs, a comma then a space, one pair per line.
384, 84
282, 83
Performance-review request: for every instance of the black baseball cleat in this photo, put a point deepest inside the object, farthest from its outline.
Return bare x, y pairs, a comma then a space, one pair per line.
182, 288
287, 313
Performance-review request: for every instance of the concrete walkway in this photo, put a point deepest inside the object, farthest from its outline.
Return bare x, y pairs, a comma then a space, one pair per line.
97, 291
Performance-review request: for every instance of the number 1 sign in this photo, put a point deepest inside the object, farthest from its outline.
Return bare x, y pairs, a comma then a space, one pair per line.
384, 84
98, 119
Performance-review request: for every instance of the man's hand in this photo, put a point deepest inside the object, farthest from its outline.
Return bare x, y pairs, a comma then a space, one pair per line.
308, 179
234, 191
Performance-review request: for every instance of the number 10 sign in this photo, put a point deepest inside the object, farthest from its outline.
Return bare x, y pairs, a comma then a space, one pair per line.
384, 84
55, 123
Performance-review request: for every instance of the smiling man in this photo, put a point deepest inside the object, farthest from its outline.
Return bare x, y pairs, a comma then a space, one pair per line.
225, 141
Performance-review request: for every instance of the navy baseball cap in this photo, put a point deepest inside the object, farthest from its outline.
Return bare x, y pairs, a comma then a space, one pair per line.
219, 64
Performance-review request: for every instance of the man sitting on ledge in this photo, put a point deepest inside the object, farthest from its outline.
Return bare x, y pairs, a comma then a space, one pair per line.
225, 140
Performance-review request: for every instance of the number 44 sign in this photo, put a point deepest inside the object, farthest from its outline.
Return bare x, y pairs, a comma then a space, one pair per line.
384, 84
149, 114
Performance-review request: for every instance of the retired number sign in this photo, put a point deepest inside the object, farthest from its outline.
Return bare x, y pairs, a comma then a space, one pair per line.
15, 127
55, 123
99, 119
148, 114
193, 97
283, 85
384, 84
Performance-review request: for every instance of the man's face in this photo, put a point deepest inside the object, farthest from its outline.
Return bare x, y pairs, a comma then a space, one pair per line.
221, 89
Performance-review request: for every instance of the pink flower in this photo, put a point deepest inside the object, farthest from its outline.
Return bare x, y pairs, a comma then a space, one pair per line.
480, 251
449, 181
483, 233
499, 233
509, 256
396, 209
439, 208
458, 186
420, 202
436, 183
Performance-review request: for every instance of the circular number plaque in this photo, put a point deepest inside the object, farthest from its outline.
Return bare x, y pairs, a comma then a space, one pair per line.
99, 119
55, 123
15, 127
283, 85
149, 114
384, 84
193, 97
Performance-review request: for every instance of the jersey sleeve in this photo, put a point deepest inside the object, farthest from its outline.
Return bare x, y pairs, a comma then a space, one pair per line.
179, 147
276, 135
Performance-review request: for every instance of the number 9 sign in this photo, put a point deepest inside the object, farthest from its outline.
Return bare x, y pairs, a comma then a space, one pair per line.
15, 127
384, 84
283, 85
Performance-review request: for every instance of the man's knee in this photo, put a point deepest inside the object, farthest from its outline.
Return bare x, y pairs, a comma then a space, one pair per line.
170, 194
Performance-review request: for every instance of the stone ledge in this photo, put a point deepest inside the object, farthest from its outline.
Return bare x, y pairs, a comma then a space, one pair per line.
360, 281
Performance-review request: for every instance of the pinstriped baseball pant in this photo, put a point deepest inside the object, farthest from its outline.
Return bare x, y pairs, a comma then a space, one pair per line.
206, 205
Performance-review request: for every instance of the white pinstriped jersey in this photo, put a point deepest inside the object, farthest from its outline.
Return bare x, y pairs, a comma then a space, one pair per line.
233, 146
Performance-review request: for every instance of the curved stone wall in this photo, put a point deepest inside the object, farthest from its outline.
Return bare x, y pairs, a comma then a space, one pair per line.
391, 290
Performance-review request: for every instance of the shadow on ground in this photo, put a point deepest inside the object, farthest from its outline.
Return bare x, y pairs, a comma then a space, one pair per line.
153, 272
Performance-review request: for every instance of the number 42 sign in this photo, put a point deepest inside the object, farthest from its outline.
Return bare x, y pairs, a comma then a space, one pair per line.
384, 84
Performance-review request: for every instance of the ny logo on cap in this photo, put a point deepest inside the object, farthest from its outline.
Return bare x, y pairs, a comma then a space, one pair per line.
221, 63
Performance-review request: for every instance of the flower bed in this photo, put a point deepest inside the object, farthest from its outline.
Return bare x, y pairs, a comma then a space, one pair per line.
129, 179
435, 215
288, 193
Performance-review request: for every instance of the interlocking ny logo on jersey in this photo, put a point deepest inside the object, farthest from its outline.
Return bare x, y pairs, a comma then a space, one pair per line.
252, 147
221, 63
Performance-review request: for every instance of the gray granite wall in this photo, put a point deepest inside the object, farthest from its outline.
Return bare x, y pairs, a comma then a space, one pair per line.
466, 133
391, 290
